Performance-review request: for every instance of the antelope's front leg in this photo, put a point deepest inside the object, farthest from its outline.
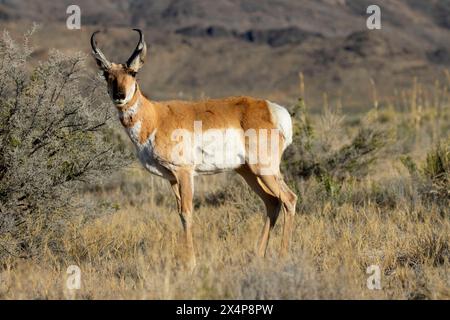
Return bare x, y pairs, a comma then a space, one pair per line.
183, 189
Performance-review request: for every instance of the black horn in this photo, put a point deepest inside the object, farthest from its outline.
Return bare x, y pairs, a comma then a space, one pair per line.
98, 55
137, 58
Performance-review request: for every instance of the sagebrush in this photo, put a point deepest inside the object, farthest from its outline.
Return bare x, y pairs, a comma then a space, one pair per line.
53, 139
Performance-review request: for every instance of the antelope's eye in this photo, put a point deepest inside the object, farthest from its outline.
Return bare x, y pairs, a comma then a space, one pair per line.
133, 73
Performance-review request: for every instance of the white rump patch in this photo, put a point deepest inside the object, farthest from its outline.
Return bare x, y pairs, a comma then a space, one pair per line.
282, 119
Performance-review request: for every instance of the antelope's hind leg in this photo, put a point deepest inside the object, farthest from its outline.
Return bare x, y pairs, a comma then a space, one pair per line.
276, 195
275, 185
272, 204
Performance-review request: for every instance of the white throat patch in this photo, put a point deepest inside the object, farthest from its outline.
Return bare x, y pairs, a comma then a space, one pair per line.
130, 93
131, 111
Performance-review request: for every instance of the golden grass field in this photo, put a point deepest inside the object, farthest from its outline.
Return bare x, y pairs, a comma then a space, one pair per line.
133, 251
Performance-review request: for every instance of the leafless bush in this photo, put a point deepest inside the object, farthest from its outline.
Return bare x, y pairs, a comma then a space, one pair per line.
53, 138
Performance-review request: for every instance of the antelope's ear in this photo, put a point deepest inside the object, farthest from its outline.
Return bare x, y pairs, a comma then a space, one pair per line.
137, 59
99, 57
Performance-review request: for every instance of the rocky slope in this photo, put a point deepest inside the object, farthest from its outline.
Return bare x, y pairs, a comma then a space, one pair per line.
258, 47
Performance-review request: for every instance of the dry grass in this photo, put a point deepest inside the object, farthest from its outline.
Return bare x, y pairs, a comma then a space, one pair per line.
132, 252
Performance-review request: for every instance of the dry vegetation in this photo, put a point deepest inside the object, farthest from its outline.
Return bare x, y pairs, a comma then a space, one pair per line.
374, 190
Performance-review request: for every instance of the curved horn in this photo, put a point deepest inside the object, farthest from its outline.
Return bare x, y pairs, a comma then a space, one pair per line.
137, 58
98, 55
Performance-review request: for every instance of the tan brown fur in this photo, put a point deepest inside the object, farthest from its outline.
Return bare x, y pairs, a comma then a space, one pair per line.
233, 112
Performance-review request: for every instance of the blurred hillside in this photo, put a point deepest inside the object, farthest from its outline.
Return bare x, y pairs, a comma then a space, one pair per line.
258, 47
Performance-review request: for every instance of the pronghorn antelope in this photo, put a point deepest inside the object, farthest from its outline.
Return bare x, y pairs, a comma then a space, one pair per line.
243, 122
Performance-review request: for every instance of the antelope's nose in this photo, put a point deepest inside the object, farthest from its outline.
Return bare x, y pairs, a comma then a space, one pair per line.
119, 96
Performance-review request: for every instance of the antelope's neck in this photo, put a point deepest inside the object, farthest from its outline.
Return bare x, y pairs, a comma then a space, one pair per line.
128, 111
138, 117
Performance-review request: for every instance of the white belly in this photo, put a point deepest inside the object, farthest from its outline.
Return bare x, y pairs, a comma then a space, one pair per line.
147, 158
216, 151
219, 150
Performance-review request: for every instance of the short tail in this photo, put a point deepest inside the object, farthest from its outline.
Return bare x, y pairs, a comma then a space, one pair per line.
283, 121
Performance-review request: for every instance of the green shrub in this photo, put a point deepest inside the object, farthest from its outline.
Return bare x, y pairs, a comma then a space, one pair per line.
433, 176
329, 159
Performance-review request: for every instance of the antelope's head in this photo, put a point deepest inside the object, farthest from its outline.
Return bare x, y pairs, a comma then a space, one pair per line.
121, 78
